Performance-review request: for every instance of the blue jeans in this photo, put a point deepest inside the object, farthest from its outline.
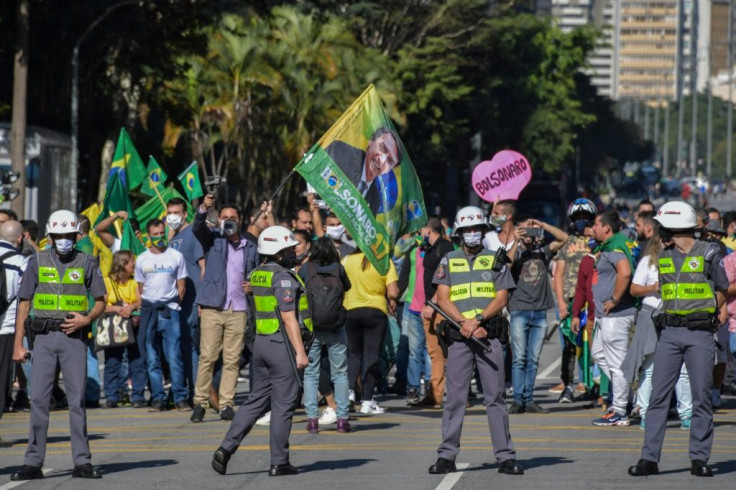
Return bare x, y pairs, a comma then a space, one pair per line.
419, 361
732, 341
337, 352
165, 332
116, 372
92, 386
528, 328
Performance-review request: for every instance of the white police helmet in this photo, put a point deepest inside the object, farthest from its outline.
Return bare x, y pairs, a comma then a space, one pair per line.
274, 239
62, 222
677, 215
470, 216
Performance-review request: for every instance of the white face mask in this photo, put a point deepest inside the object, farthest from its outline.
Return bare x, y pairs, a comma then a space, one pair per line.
64, 246
174, 221
335, 232
473, 238
498, 220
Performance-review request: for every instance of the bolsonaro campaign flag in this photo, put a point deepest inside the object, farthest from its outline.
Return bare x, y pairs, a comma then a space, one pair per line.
360, 168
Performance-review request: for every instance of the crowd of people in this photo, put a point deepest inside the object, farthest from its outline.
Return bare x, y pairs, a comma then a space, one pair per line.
225, 290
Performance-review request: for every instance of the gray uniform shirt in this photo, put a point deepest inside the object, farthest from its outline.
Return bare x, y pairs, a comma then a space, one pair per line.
502, 280
715, 270
92, 277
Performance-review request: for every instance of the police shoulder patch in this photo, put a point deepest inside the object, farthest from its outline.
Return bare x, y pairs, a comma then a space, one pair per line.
440, 272
285, 283
711, 251
288, 297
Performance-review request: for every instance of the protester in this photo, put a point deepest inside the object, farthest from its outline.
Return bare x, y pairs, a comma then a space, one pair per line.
528, 304
326, 282
229, 259
336, 231
302, 220
161, 275
614, 312
366, 322
183, 240
124, 298
304, 249
11, 238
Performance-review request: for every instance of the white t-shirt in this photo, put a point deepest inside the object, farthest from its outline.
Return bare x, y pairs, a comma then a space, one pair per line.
493, 243
159, 273
646, 275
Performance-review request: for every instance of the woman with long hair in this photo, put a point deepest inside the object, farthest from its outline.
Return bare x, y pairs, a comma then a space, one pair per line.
124, 299
368, 304
640, 355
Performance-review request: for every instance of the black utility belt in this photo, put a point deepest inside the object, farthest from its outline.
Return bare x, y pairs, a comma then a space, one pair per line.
693, 321
43, 327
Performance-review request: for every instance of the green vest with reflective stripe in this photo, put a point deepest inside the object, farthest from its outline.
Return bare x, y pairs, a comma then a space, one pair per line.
686, 290
267, 317
56, 295
471, 289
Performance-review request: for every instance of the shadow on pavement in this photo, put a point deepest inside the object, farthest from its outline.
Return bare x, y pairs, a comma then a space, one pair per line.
136, 465
55, 439
341, 464
360, 427
528, 463
724, 467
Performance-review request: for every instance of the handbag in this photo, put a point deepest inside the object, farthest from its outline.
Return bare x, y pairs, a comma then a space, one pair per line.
113, 330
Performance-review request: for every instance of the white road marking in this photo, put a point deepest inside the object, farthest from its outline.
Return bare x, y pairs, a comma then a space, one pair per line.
14, 484
552, 367
449, 480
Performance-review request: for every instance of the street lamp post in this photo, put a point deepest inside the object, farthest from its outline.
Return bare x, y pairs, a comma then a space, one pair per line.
75, 93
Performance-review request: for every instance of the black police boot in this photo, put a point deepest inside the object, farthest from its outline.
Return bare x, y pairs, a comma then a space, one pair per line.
282, 469
644, 468
510, 467
698, 467
442, 467
86, 471
27, 472
220, 459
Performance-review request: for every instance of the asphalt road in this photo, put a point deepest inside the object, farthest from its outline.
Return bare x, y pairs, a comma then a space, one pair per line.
137, 449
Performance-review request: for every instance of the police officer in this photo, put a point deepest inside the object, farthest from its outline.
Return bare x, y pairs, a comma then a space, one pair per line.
280, 302
473, 290
58, 282
693, 284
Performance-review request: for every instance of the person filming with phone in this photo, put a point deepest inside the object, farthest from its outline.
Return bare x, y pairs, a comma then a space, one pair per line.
528, 305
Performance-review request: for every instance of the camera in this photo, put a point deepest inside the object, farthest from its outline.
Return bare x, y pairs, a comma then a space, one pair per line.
534, 232
213, 183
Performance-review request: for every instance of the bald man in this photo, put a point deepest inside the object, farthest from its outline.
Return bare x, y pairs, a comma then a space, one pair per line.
11, 236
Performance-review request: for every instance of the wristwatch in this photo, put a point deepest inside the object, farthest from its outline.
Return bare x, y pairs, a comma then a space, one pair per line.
479, 318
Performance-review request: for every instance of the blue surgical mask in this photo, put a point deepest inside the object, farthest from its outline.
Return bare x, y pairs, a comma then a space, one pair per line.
64, 246
592, 243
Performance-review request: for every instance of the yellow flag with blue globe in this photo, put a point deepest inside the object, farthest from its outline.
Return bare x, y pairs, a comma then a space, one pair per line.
189, 180
361, 169
155, 178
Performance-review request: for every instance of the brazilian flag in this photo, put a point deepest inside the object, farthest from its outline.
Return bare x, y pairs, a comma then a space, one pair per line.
189, 180
155, 178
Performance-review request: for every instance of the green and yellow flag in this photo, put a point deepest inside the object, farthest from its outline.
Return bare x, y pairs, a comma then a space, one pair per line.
127, 163
189, 180
129, 241
155, 178
154, 208
360, 168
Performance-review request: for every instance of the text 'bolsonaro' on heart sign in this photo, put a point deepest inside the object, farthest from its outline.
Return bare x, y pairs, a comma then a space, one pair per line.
502, 177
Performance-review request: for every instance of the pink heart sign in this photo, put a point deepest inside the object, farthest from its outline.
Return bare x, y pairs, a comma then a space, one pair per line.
502, 177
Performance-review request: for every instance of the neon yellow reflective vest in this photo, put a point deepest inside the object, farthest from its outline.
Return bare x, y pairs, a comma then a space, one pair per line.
687, 290
267, 317
55, 294
471, 289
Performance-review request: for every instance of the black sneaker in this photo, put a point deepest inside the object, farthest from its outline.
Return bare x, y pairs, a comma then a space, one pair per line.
516, 408
21, 403
157, 406
183, 406
412, 397
534, 407
110, 404
27, 472
86, 471
198, 414
567, 396
227, 413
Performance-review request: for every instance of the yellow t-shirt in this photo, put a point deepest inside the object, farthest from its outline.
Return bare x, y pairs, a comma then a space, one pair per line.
729, 242
127, 291
368, 287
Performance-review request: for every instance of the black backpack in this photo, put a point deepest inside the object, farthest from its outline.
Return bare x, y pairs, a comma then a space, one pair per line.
325, 293
4, 303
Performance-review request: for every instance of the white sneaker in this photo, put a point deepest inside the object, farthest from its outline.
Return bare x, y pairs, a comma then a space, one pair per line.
265, 420
715, 398
351, 396
371, 408
328, 417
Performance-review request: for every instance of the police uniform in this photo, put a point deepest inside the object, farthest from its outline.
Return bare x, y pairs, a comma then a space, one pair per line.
56, 289
473, 285
688, 283
275, 385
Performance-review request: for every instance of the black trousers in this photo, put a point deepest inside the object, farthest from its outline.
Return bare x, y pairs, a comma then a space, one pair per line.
6, 370
365, 329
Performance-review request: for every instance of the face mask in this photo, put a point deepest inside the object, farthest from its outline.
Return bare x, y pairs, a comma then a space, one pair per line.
592, 243
335, 232
425, 240
229, 227
580, 225
158, 241
288, 260
174, 221
472, 239
498, 220
64, 246
665, 234
300, 258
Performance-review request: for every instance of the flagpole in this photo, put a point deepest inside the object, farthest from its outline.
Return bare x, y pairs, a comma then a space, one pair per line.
275, 193
158, 194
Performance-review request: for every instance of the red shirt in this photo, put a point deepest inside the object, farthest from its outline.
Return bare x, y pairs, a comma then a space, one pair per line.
584, 288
